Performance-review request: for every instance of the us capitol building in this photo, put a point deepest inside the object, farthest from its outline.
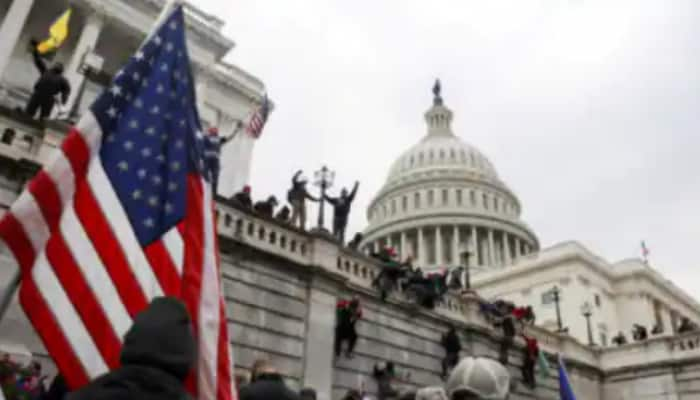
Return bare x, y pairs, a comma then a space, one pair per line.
442, 198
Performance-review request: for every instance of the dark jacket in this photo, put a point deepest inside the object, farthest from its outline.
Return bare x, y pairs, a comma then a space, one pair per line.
267, 387
242, 200
157, 355
52, 81
451, 343
341, 205
298, 192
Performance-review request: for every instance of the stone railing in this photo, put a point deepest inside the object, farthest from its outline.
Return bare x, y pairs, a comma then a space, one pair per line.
652, 351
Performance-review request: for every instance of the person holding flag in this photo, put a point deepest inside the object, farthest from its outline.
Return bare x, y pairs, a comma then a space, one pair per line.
122, 216
58, 32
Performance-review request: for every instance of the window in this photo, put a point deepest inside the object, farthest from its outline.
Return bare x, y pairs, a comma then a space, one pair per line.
431, 155
459, 197
597, 300
411, 161
442, 154
384, 210
420, 158
404, 203
495, 204
472, 197
485, 198
471, 158
603, 339
416, 200
8, 136
393, 206
431, 197
452, 154
444, 197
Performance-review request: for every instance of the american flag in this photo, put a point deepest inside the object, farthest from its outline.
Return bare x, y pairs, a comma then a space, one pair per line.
123, 214
258, 119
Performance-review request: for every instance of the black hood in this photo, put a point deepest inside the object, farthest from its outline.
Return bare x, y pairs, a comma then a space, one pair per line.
161, 338
157, 354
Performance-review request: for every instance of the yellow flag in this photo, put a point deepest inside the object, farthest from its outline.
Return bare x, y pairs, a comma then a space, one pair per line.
58, 32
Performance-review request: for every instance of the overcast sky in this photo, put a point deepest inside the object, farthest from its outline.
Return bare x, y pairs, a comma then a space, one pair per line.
588, 109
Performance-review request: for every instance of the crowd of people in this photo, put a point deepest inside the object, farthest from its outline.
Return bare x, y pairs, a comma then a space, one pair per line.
294, 212
26, 382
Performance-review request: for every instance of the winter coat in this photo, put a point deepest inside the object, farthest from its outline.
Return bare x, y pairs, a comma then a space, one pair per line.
157, 355
267, 387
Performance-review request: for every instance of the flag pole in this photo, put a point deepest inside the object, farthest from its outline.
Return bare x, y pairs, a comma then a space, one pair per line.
9, 293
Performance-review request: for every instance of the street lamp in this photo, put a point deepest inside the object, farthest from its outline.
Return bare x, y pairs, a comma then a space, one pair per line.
323, 178
587, 312
555, 294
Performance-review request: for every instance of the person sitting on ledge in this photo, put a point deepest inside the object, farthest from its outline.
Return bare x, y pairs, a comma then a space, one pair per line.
639, 332
266, 208
283, 215
354, 244
620, 339
687, 326
242, 199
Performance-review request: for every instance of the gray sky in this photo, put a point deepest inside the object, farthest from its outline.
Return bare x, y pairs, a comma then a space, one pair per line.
588, 109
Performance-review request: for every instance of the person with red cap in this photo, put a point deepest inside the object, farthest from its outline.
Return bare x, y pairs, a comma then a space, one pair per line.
242, 199
212, 151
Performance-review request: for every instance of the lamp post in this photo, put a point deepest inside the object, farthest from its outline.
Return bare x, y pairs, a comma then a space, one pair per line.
555, 294
587, 312
323, 178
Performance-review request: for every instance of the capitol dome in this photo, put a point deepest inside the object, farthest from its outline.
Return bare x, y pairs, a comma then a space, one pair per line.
443, 198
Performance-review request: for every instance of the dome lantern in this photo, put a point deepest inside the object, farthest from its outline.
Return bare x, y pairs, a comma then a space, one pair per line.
438, 117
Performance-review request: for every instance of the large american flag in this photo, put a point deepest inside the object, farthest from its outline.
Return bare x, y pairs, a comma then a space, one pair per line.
123, 214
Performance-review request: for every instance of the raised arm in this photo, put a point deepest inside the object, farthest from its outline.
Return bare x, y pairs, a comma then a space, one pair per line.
354, 191
233, 134
38, 62
295, 178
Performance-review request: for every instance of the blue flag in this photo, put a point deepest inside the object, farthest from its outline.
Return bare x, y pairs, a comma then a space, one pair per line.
565, 391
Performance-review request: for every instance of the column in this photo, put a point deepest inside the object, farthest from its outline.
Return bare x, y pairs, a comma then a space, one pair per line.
421, 248
404, 250
11, 29
86, 44
439, 259
491, 249
318, 350
475, 247
506, 250
456, 260
518, 249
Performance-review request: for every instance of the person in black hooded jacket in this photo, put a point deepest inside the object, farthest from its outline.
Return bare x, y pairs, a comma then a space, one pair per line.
452, 345
157, 355
51, 82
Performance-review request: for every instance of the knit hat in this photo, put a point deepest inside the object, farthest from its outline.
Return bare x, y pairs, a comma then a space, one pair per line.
482, 377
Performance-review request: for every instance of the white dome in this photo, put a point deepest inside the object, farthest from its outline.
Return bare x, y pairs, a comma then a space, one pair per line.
443, 194
442, 154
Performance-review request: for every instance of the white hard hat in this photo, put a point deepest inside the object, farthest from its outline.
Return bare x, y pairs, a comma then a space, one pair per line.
431, 393
482, 377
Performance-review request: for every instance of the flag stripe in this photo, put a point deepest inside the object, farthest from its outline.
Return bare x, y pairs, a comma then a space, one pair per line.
31, 218
51, 334
12, 232
78, 338
106, 199
175, 247
209, 305
94, 272
101, 236
193, 237
163, 267
61, 173
82, 297
47, 197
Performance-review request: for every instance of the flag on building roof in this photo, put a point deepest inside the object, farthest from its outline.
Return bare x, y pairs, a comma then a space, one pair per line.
58, 32
645, 250
258, 119
565, 390
122, 215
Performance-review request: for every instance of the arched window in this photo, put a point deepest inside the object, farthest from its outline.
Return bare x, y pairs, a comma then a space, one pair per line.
459, 197
393, 206
472, 198
495, 204
416, 200
444, 197
485, 198
404, 203
431, 197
